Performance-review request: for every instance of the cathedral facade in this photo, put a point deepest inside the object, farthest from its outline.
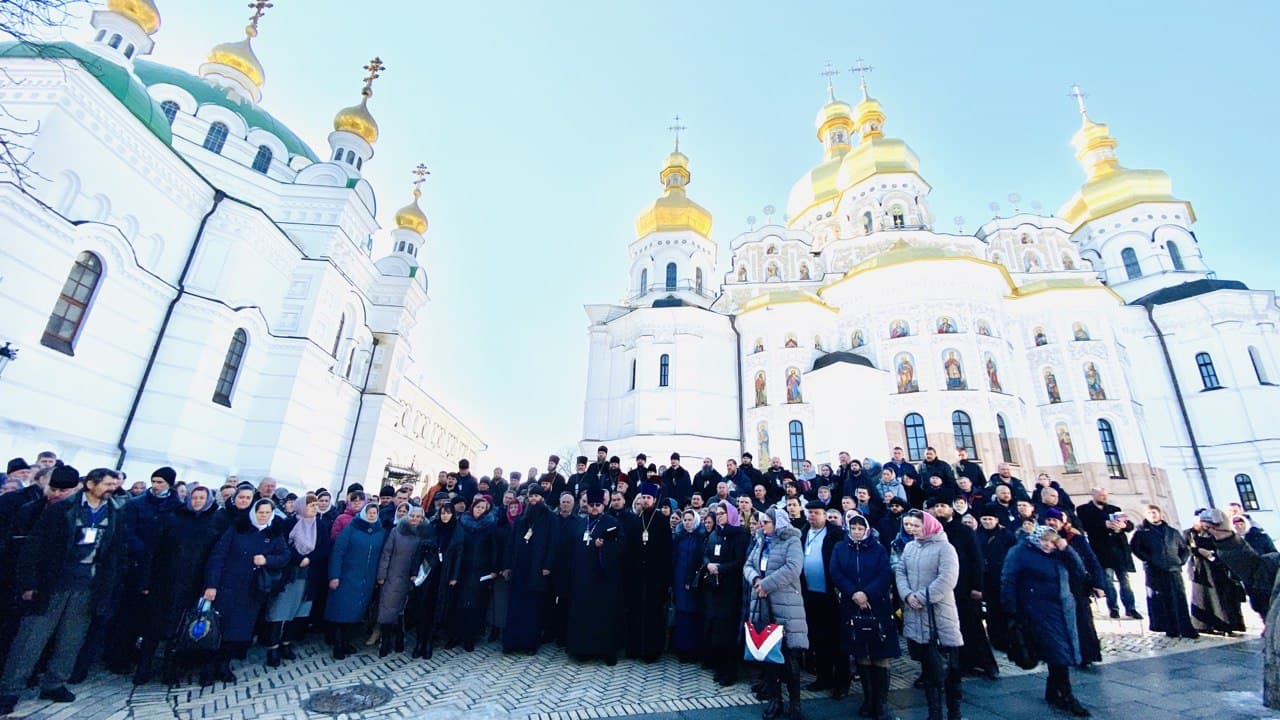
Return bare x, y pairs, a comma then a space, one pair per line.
191, 284
1094, 344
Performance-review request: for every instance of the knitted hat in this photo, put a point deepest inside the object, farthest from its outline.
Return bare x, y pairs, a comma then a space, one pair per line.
17, 465
166, 473
595, 496
64, 477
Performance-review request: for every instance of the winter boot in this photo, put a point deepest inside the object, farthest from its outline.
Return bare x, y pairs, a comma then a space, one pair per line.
339, 642
1067, 699
275, 631
399, 630
933, 695
867, 708
388, 640
880, 688
146, 663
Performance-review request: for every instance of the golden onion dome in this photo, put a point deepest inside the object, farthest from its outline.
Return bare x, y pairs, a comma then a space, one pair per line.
834, 114
142, 12
411, 217
870, 119
357, 121
674, 210
239, 56
1110, 187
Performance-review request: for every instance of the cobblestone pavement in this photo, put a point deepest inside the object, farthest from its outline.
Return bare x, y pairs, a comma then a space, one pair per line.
486, 684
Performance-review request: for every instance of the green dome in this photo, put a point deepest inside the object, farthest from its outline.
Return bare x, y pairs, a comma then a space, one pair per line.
208, 94
125, 87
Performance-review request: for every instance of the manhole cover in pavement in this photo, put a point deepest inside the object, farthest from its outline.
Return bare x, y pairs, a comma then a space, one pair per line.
356, 698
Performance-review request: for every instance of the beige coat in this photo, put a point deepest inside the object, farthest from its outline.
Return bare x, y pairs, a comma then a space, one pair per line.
929, 567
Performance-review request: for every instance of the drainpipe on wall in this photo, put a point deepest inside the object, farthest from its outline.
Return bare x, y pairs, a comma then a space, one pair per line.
346, 467
737, 354
1182, 405
218, 197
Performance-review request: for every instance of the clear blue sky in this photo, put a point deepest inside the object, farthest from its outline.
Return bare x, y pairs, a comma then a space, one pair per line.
544, 125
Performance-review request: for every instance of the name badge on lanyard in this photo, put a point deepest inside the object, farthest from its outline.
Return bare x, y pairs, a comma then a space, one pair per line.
88, 535
716, 551
586, 536
528, 534
764, 563
644, 536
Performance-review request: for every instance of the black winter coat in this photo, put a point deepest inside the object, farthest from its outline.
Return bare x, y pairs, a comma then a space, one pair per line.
50, 543
864, 567
175, 574
969, 555
1161, 546
230, 572
478, 555
1112, 548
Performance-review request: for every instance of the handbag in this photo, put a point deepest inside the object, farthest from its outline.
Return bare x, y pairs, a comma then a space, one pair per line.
866, 626
763, 637
1022, 652
265, 583
199, 628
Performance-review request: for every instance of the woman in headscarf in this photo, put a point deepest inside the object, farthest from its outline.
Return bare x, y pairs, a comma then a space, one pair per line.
440, 554
1035, 588
175, 577
862, 575
400, 561
1216, 596
512, 508
353, 568
472, 574
253, 545
686, 550
772, 574
308, 538
926, 577
236, 508
723, 553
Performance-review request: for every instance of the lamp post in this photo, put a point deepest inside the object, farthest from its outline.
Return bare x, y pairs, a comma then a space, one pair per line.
7, 353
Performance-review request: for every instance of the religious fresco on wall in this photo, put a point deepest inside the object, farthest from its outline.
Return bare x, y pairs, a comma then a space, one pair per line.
791, 341
804, 271
905, 365
742, 273
947, 326
899, 329
1080, 332
771, 273
1093, 381
762, 439
1051, 386
993, 375
758, 347
762, 396
858, 340
984, 328
793, 386
953, 370
1041, 338
1066, 448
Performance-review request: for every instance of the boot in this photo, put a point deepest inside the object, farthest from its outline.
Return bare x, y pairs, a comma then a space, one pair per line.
224, 670
867, 708
286, 651
793, 688
207, 674
275, 631
374, 636
880, 689
933, 695
773, 709
273, 657
291, 630
388, 641
339, 642
1073, 706
146, 663
399, 631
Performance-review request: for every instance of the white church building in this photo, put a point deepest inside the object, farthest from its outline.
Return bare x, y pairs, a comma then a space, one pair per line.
1095, 344
190, 284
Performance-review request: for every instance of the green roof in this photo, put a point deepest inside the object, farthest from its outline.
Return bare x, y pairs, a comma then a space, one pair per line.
208, 94
125, 87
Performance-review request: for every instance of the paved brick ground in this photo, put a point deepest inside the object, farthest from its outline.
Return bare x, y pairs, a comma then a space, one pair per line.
485, 684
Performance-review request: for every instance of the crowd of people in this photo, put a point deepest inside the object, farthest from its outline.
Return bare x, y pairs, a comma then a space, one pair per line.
604, 562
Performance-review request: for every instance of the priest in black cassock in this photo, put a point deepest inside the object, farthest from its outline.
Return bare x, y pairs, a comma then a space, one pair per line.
530, 556
595, 604
647, 580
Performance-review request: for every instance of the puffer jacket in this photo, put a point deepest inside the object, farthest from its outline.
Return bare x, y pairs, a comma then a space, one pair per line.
929, 567
781, 580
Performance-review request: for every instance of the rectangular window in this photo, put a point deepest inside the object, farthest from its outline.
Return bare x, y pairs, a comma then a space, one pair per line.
795, 431
664, 370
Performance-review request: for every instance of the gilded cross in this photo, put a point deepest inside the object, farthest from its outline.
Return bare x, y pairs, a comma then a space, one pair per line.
259, 8
676, 128
375, 68
1079, 96
829, 71
422, 172
862, 68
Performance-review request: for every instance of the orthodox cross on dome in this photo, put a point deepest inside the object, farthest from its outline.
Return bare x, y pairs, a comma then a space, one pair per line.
259, 8
1079, 96
862, 68
421, 172
375, 68
675, 129
829, 71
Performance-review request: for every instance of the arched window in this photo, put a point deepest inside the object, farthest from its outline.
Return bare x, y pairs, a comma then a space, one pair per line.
1006, 450
671, 276
115, 41
664, 370
337, 339
1175, 256
795, 433
216, 138
359, 163
128, 50
170, 109
230, 368
1208, 375
1109, 449
413, 250
867, 223
917, 441
644, 281
400, 246
1259, 366
962, 428
697, 280
1131, 266
351, 157
101, 34
899, 219
65, 321
351, 362
1248, 496
337, 154
262, 161
633, 374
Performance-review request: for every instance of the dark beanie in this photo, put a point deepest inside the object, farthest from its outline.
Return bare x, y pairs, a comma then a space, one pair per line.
464, 464
537, 490
675, 456
64, 477
387, 491
582, 459
17, 465
595, 496
650, 489
554, 459
166, 473
815, 505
